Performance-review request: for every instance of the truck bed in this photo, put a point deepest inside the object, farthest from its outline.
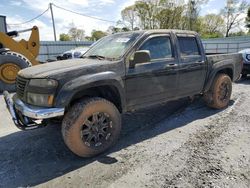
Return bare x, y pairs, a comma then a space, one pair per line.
220, 59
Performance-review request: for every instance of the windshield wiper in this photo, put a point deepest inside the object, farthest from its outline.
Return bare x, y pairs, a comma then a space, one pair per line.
96, 57
100, 57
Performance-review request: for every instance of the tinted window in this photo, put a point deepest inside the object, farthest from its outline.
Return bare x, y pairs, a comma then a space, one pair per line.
188, 46
159, 47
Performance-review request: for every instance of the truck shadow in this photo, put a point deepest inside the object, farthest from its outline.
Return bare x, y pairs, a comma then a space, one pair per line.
244, 80
34, 157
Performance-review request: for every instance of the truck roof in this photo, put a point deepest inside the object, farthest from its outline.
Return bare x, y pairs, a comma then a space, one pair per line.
176, 31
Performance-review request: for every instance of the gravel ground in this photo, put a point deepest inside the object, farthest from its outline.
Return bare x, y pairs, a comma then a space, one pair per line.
173, 145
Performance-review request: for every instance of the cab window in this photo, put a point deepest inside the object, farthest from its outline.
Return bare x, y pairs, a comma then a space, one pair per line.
188, 46
159, 47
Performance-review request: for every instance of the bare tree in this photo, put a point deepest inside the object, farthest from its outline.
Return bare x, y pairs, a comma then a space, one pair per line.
231, 13
76, 34
129, 16
193, 10
212, 23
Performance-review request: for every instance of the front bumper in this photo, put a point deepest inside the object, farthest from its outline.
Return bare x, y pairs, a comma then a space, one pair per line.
246, 68
25, 116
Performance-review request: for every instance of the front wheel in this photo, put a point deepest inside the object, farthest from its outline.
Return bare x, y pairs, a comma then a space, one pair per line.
91, 126
218, 96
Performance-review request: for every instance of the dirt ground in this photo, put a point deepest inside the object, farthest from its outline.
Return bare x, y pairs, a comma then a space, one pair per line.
173, 145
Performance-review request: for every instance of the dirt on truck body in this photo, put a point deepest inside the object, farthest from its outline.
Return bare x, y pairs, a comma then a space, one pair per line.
120, 73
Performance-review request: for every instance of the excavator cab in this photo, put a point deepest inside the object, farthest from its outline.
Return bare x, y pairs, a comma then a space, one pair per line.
16, 55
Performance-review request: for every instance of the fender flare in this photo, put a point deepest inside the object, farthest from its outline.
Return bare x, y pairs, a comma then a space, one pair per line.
216, 68
71, 88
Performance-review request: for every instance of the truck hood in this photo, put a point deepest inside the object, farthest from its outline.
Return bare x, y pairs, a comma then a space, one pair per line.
72, 68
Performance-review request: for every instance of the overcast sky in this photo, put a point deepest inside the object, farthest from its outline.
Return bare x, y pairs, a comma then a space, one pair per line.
23, 10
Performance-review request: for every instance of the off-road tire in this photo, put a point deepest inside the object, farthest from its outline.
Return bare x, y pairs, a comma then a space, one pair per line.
216, 97
16, 59
74, 120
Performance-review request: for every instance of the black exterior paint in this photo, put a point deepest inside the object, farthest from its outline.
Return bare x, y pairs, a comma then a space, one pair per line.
147, 83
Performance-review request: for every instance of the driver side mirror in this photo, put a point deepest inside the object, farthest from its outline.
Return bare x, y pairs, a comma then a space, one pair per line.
141, 56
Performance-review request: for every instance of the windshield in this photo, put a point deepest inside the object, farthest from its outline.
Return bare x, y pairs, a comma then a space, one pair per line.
113, 46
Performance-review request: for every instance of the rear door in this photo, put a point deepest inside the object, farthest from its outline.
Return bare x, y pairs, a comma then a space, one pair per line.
152, 82
192, 71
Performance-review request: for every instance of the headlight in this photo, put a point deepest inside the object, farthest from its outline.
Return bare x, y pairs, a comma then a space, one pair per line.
43, 83
40, 92
248, 57
40, 99
77, 54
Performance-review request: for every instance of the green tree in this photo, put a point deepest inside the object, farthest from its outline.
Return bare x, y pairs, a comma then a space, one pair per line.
97, 34
170, 17
212, 26
153, 14
248, 20
167, 14
231, 13
140, 9
236, 34
174, 14
88, 38
211, 35
113, 29
125, 29
64, 37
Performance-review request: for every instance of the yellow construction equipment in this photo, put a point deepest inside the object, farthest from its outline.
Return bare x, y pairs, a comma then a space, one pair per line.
16, 55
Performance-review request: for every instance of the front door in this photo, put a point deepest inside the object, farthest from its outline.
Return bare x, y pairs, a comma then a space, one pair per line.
151, 82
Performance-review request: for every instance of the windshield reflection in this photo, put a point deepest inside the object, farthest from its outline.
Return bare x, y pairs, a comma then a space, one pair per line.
112, 47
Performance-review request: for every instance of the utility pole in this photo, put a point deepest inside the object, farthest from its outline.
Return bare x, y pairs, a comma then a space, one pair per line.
53, 21
192, 16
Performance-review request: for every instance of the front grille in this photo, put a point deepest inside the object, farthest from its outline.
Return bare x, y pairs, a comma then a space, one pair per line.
20, 86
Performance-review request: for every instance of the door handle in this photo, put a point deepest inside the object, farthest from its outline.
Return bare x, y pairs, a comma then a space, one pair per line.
171, 65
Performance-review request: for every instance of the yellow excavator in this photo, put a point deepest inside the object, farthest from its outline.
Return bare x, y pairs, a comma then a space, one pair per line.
16, 55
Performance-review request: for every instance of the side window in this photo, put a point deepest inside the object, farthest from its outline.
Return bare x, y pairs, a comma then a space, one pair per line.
159, 47
188, 46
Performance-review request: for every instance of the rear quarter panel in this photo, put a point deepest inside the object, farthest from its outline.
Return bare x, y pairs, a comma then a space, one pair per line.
222, 62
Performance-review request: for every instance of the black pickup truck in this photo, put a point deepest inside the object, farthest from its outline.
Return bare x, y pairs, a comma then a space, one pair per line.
120, 73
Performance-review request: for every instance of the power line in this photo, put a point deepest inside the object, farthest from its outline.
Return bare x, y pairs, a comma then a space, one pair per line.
81, 14
30, 19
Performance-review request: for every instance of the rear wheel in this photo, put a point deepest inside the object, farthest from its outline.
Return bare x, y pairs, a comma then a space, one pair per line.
10, 64
90, 127
220, 92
